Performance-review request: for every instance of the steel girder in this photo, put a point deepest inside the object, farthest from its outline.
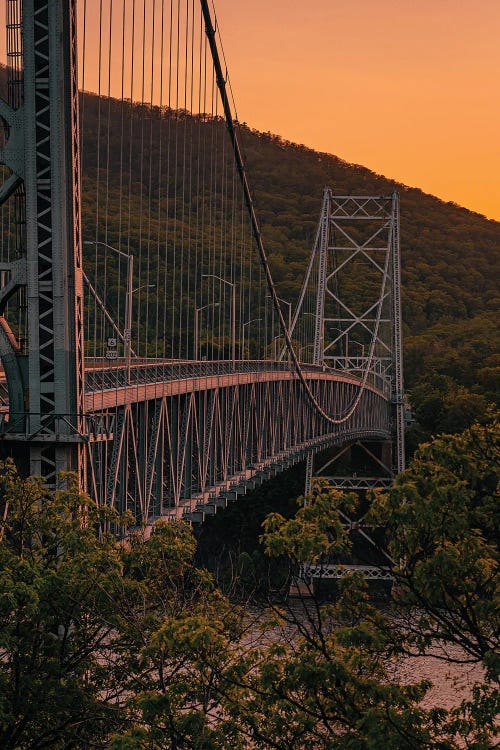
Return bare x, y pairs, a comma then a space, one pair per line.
187, 453
45, 379
337, 571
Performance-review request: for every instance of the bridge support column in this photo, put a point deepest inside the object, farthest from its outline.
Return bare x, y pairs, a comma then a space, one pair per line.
54, 284
50, 433
361, 467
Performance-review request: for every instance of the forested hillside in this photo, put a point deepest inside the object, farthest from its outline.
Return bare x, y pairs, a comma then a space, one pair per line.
450, 258
451, 263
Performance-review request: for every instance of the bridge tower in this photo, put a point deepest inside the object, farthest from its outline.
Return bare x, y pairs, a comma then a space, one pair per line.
357, 246
355, 273
42, 350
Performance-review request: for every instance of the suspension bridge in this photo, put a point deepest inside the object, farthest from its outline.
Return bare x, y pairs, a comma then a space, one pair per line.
143, 341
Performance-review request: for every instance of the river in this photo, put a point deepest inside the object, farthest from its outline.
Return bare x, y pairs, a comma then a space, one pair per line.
452, 679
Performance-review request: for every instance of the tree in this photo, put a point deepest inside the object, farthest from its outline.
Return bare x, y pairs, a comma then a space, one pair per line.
129, 646
58, 586
441, 405
319, 677
84, 619
442, 518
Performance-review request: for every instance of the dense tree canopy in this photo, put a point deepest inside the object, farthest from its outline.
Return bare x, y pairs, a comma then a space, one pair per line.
443, 516
129, 646
83, 618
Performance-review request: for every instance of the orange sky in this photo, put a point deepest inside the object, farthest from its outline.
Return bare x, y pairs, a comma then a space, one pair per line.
408, 88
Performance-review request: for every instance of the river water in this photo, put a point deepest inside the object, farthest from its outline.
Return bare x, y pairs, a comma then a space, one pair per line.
451, 682
452, 679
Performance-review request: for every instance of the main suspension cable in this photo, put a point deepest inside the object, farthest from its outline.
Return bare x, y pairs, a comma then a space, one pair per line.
221, 83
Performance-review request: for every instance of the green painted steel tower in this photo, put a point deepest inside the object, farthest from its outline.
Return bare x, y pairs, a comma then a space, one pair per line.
43, 357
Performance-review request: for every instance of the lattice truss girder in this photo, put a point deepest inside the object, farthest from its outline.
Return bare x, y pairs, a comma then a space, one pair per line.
41, 336
174, 454
336, 571
349, 313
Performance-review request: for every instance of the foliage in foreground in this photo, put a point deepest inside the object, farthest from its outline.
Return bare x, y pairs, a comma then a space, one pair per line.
131, 647
82, 618
443, 516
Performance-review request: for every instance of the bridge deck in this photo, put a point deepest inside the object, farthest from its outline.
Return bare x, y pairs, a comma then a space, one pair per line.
108, 386
112, 384
172, 439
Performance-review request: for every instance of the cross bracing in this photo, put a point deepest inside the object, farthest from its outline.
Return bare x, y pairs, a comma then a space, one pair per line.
350, 305
203, 441
140, 327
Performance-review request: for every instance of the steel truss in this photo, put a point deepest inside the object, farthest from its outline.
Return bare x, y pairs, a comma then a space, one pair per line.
188, 453
329, 568
358, 241
45, 377
332, 571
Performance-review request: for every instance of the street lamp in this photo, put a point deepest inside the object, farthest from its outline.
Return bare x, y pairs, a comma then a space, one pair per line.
196, 326
233, 310
269, 296
128, 318
127, 333
109, 247
253, 320
344, 335
359, 343
273, 343
304, 349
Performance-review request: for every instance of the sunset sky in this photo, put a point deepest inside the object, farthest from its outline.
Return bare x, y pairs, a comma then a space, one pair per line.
408, 88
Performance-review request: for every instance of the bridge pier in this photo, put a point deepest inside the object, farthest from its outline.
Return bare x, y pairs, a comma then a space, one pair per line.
364, 466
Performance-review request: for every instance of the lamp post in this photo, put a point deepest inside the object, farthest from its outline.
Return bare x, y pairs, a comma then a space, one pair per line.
275, 348
289, 304
197, 326
127, 333
233, 310
304, 349
359, 343
128, 317
343, 335
289, 320
253, 320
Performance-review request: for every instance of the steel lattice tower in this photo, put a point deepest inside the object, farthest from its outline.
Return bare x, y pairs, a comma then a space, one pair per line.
353, 229
45, 375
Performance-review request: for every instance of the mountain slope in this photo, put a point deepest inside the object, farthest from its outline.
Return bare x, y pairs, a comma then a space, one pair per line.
450, 255
450, 259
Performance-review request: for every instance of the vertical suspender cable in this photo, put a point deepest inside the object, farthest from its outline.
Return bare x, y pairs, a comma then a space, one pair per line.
221, 83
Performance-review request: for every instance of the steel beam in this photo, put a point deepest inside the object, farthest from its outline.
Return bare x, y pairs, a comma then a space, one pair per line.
49, 391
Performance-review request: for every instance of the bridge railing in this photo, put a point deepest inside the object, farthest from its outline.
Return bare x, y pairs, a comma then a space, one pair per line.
150, 371
100, 376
